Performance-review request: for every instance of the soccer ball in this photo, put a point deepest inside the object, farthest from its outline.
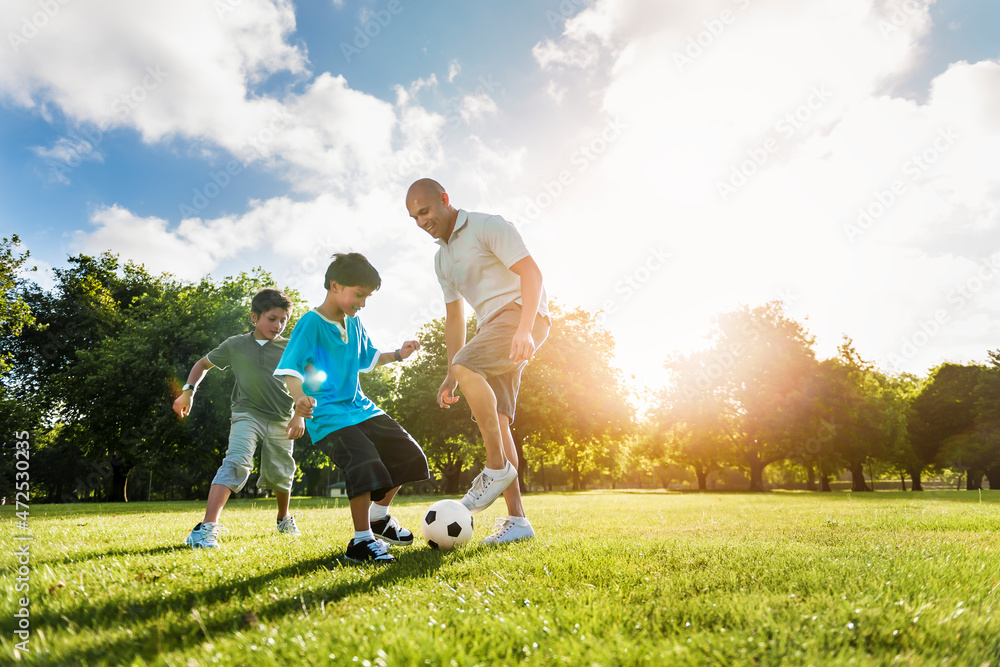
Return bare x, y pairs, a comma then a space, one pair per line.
447, 524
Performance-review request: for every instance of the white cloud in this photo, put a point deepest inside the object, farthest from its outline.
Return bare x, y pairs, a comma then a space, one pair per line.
786, 100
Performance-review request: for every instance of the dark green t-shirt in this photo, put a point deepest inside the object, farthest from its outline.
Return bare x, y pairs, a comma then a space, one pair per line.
257, 391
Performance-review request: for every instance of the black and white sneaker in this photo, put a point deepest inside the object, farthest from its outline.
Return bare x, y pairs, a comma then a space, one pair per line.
388, 529
368, 551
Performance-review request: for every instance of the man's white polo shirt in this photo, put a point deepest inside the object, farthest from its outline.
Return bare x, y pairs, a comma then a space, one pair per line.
475, 262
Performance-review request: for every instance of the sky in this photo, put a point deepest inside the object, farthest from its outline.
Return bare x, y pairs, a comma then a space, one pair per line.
664, 161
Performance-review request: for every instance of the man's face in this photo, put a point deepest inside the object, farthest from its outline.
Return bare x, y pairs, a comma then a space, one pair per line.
431, 213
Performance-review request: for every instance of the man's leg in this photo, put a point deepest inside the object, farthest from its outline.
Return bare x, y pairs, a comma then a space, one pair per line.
512, 494
483, 403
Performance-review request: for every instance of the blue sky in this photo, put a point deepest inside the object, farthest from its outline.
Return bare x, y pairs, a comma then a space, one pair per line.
665, 161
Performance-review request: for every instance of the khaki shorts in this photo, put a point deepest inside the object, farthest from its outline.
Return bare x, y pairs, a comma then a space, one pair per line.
488, 353
277, 467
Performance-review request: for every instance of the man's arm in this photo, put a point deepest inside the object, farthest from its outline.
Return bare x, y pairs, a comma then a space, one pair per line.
454, 338
522, 347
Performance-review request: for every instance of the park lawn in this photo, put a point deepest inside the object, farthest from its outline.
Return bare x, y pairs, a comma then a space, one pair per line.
613, 578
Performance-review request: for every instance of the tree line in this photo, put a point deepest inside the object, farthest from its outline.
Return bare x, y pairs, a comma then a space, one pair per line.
89, 368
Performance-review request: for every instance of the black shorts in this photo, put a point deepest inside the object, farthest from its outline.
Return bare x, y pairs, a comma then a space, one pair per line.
376, 456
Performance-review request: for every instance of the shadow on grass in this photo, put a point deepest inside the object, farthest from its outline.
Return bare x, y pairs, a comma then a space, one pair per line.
189, 629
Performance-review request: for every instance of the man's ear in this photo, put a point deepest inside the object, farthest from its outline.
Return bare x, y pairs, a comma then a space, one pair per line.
445, 200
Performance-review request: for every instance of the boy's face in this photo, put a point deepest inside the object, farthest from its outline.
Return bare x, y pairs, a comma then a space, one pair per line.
349, 298
268, 325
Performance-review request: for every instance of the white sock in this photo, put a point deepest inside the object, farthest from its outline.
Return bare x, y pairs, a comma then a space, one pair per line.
519, 520
362, 535
378, 512
496, 473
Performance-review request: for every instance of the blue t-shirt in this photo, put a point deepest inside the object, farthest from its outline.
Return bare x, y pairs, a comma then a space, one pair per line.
327, 358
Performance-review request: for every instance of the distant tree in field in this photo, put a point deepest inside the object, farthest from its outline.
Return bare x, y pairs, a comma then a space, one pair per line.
687, 416
572, 407
987, 412
761, 364
867, 421
943, 420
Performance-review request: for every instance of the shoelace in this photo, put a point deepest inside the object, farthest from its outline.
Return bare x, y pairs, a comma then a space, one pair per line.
479, 485
377, 547
501, 526
213, 532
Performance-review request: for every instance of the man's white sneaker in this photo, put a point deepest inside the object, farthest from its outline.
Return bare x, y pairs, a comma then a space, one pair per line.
287, 526
505, 530
486, 489
205, 536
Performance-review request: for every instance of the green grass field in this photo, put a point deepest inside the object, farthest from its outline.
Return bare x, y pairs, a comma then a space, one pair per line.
613, 578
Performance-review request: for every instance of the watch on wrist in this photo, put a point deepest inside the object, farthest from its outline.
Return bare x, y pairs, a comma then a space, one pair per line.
188, 386
397, 355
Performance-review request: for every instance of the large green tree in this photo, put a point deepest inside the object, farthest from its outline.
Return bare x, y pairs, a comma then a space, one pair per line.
759, 368
943, 412
573, 408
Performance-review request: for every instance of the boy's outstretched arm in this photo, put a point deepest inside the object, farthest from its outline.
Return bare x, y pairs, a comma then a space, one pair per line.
405, 350
182, 404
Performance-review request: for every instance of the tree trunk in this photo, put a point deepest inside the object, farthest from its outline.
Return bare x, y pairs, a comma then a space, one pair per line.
915, 483
810, 477
756, 474
522, 464
119, 479
702, 474
902, 481
452, 474
858, 477
993, 475
973, 480
824, 483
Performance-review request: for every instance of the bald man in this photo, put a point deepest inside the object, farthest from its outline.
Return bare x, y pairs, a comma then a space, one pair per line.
483, 260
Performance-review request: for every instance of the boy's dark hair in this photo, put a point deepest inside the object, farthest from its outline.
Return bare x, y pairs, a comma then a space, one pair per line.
269, 298
351, 269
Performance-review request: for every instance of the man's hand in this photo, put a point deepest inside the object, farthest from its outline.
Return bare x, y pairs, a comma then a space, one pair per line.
408, 348
446, 394
522, 347
304, 406
182, 404
296, 427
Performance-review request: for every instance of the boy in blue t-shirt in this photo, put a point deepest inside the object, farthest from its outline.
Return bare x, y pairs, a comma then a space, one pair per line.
320, 365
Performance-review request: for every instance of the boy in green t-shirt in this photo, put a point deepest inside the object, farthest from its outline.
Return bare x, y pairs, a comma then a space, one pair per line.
263, 413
